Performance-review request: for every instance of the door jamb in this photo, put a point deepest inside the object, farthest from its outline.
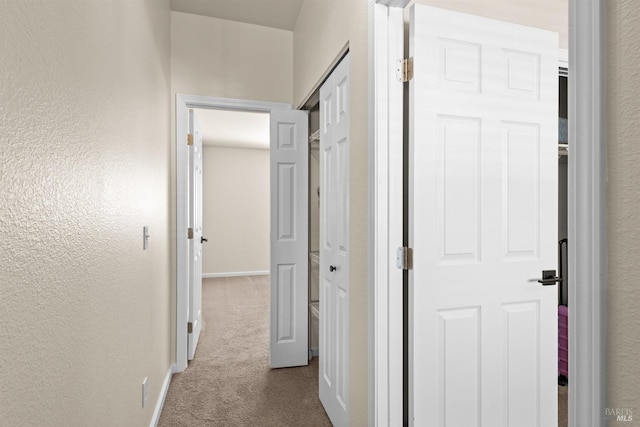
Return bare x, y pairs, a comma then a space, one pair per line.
587, 264
385, 294
183, 103
587, 212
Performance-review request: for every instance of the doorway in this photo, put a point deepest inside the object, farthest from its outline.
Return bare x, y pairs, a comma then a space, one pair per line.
585, 205
236, 192
183, 104
289, 232
563, 245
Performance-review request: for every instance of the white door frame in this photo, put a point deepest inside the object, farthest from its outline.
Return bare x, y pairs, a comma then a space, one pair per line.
183, 103
587, 213
385, 160
587, 263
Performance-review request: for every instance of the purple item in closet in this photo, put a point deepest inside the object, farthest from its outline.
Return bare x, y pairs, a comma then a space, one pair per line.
563, 341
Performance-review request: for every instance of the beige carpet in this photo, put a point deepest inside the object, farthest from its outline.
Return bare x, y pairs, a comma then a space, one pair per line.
229, 382
563, 408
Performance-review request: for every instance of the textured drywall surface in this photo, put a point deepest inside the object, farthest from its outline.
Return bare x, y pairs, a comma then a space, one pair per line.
623, 194
84, 158
236, 210
216, 57
323, 29
547, 14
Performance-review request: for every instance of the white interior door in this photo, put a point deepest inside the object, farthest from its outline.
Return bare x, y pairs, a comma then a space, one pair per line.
289, 344
334, 245
195, 240
483, 219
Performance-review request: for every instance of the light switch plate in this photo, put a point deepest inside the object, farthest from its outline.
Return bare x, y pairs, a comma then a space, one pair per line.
145, 237
145, 388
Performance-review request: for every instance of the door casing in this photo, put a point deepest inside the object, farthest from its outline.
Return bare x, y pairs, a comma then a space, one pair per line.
183, 103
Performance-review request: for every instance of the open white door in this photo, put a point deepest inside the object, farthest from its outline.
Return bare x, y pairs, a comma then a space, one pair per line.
195, 236
483, 219
334, 245
289, 344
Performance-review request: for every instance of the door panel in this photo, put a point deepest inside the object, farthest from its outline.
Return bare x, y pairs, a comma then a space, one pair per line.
289, 239
334, 250
458, 331
195, 244
482, 220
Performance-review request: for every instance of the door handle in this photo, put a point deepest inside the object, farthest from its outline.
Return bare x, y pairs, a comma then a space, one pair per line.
202, 239
332, 268
549, 278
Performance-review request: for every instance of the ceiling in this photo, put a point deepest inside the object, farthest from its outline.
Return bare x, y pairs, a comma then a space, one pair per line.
236, 129
281, 14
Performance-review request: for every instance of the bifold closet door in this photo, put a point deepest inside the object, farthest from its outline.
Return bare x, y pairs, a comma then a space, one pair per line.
334, 244
289, 239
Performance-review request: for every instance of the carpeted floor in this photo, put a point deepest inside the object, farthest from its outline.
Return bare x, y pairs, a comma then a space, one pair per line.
563, 408
229, 382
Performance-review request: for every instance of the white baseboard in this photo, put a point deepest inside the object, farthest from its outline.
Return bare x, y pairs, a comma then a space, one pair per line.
235, 274
163, 395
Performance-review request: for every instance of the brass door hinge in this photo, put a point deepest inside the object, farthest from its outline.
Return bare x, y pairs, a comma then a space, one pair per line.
189, 233
189, 327
189, 139
404, 69
404, 258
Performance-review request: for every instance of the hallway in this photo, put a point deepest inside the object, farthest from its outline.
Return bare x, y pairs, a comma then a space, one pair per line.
229, 382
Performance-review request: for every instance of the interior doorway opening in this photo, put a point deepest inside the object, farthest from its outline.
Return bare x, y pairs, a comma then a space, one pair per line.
221, 152
236, 192
183, 104
563, 248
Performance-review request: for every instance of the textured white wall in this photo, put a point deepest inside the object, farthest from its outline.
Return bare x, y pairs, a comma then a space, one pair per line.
623, 194
84, 159
228, 59
323, 29
236, 210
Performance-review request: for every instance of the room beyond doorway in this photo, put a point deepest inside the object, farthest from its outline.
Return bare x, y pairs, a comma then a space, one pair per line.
236, 192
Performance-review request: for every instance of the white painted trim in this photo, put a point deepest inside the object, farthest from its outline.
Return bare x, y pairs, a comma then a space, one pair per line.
386, 40
196, 101
235, 274
563, 58
587, 263
313, 96
399, 4
183, 103
162, 397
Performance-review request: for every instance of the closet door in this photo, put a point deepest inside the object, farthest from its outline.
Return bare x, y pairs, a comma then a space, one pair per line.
334, 245
289, 239
483, 221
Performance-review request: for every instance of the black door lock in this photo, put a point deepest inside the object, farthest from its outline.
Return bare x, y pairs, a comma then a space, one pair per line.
549, 278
